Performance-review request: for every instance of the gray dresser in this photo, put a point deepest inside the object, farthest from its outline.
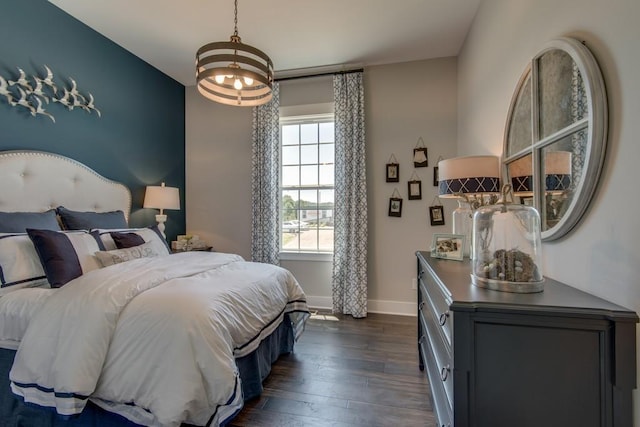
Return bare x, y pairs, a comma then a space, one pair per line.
559, 358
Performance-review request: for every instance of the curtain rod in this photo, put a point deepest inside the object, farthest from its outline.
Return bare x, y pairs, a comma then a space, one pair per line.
331, 73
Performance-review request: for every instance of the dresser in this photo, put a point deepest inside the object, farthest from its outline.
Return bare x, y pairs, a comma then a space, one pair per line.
558, 358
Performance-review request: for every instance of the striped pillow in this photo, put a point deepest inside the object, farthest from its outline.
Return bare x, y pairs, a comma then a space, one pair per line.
66, 255
19, 263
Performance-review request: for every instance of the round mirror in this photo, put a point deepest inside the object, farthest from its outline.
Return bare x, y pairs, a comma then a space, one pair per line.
556, 135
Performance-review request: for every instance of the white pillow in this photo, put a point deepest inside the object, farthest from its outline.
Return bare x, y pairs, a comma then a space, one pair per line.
117, 256
149, 235
19, 263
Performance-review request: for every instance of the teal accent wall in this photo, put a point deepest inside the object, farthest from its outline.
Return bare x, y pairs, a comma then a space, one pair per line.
140, 138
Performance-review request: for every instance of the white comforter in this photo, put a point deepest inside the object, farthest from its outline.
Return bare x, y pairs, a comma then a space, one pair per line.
154, 339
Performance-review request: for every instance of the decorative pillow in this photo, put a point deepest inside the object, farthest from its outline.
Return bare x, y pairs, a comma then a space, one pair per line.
18, 222
117, 256
73, 220
149, 234
126, 240
19, 262
66, 255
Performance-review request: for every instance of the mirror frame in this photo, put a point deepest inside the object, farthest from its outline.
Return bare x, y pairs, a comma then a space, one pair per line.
595, 123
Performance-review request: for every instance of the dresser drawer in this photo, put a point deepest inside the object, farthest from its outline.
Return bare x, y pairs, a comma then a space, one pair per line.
439, 351
439, 305
441, 391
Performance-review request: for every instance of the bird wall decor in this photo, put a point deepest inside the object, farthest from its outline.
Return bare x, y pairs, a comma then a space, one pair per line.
33, 92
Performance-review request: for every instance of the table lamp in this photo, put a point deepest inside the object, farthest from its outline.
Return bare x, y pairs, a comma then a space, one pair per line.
161, 197
468, 179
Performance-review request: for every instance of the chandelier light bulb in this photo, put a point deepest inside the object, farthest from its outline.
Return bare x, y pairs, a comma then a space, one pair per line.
248, 81
219, 78
237, 84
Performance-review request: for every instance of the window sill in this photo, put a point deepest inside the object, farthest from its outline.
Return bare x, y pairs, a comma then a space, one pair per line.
306, 256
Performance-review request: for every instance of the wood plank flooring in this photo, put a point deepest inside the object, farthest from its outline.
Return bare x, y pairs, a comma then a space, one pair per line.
346, 372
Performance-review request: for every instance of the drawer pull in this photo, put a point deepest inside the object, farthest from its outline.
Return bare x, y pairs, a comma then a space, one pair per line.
443, 318
444, 373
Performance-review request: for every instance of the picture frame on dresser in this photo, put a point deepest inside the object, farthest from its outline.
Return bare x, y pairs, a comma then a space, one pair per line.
448, 246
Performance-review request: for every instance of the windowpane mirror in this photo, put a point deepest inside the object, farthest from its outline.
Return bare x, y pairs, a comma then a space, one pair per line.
555, 136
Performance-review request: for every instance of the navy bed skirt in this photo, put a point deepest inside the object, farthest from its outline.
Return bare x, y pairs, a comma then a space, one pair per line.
253, 368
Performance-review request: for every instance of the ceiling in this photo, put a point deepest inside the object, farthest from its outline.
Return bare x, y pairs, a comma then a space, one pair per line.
298, 35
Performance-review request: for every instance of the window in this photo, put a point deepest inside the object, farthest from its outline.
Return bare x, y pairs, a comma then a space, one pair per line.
307, 183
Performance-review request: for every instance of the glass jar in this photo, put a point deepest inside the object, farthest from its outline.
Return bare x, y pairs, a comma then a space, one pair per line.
507, 248
463, 224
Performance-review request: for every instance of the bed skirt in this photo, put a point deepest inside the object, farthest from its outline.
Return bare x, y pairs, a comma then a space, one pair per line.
253, 368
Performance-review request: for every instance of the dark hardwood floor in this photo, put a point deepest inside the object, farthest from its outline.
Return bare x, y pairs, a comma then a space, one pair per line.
346, 372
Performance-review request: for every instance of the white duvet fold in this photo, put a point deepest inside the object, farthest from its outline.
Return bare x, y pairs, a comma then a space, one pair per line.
153, 339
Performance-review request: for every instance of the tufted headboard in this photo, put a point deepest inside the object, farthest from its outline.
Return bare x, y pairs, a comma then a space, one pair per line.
35, 181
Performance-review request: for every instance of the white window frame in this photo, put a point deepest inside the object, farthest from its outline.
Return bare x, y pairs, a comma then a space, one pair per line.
303, 255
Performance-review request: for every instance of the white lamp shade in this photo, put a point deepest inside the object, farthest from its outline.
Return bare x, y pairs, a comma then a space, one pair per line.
161, 197
469, 175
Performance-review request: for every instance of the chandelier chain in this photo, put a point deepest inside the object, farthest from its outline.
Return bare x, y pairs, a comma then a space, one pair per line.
235, 19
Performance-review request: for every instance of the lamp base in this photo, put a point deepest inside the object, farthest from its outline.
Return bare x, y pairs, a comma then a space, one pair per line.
161, 220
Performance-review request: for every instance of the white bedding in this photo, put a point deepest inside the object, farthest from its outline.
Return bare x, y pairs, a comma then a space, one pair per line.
153, 339
16, 309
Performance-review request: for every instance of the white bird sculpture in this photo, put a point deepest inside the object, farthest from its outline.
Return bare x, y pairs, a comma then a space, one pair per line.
38, 90
22, 81
24, 102
90, 105
48, 80
4, 91
65, 100
40, 110
80, 99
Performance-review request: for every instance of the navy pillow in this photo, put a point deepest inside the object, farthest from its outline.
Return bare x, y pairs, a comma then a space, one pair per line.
126, 240
18, 222
74, 220
66, 255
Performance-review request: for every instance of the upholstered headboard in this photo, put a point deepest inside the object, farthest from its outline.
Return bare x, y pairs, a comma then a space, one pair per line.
35, 181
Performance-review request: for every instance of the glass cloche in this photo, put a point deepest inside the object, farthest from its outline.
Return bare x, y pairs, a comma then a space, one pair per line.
507, 248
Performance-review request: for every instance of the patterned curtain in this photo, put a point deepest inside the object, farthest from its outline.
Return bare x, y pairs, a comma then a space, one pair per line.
350, 215
265, 224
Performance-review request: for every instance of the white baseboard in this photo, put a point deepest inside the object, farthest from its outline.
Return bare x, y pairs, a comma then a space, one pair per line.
400, 308
320, 303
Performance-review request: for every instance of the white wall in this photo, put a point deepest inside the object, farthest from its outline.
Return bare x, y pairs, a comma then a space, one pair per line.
218, 173
601, 256
403, 102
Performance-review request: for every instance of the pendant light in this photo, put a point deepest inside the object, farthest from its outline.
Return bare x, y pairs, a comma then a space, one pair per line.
234, 73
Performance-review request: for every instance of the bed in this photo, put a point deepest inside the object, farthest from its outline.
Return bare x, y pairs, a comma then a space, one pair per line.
102, 326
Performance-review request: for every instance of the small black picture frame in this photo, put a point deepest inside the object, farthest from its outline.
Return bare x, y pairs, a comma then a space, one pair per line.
414, 188
420, 157
436, 180
395, 207
393, 172
436, 215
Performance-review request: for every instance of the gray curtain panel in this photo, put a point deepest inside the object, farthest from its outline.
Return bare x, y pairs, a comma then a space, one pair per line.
265, 230
349, 281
